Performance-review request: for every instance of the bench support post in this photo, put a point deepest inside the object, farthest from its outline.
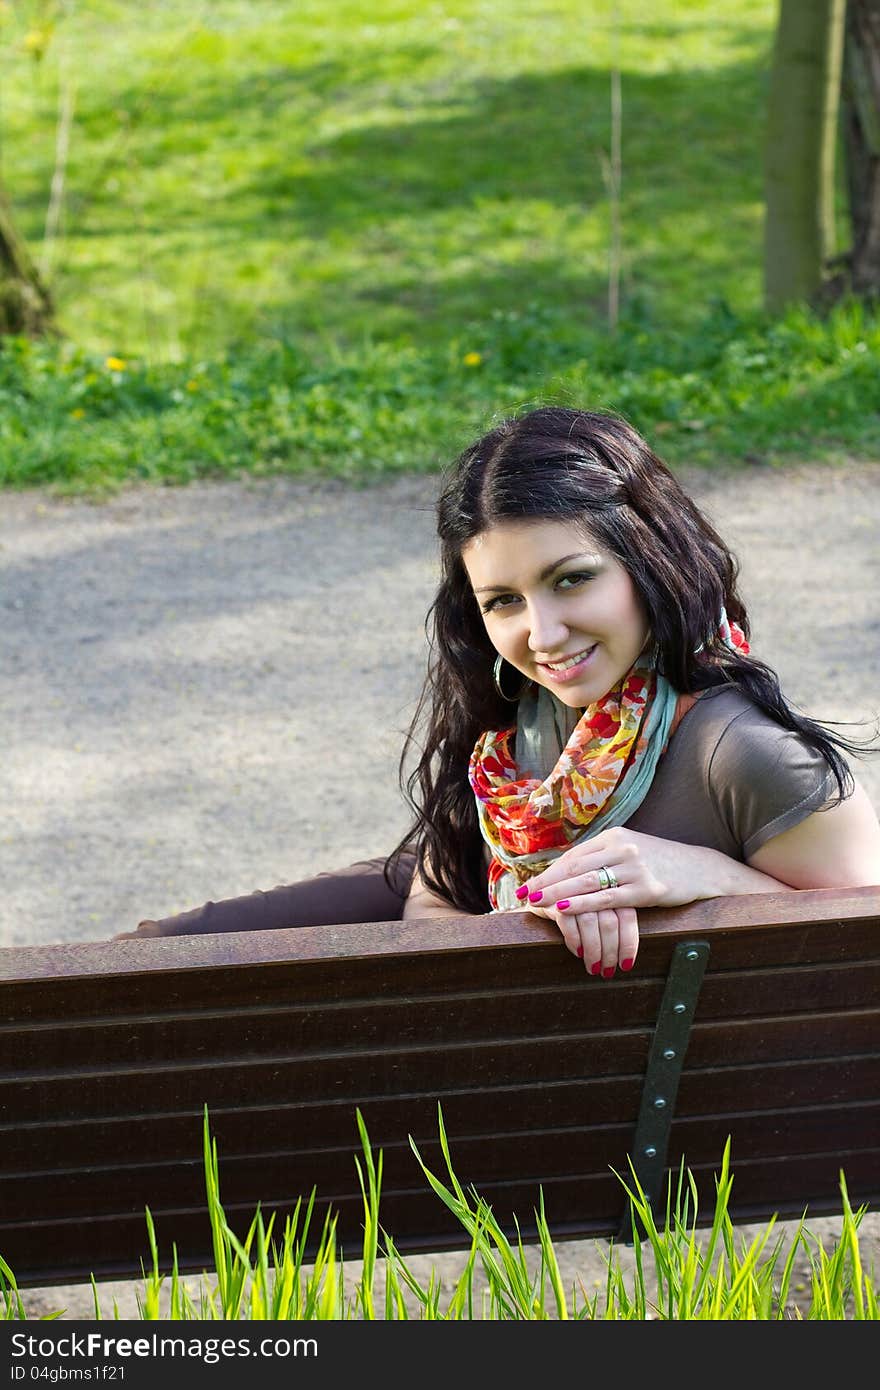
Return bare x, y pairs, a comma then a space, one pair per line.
665, 1061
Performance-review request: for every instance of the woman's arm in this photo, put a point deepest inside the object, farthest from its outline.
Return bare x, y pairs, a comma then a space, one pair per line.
838, 847
835, 848
422, 902
357, 893
650, 872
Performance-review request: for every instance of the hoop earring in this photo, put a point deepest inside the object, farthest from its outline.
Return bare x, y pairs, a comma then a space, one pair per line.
496, 678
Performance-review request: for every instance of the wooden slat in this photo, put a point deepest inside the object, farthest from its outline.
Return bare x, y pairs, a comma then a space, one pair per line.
571, 1008
480, 1158
833, 914
155, 1134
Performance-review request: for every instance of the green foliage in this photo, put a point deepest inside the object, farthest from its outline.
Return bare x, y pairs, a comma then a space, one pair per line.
740, 389
329, 241
340, 172
695, 1277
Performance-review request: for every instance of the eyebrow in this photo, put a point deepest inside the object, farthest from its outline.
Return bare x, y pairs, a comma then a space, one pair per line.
545, 572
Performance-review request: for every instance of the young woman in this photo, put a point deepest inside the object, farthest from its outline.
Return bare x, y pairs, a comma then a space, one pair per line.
594, 733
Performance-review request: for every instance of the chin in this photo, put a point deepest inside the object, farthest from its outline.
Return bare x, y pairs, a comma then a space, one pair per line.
574, 699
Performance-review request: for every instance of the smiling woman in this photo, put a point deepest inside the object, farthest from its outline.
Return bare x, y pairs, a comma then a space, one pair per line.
544, 585
594, 735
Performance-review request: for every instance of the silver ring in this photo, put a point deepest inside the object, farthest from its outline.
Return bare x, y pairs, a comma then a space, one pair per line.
607, 878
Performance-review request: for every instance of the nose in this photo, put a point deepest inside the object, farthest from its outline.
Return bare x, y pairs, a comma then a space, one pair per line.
547, 631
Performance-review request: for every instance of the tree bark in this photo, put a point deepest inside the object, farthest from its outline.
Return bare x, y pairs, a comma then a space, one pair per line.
800, 146
858, 271
25, 304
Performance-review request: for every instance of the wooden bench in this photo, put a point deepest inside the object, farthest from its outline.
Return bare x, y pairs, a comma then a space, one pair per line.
756, 1017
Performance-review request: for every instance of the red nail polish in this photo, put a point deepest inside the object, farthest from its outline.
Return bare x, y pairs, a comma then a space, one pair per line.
607, 973
563, 904
627, 964
596, 968
522, 892
580, 952
536, 896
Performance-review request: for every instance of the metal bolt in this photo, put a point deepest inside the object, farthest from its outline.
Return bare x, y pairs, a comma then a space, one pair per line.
693, 955
650, 1151
659, 1103
679, 1008
669, 1053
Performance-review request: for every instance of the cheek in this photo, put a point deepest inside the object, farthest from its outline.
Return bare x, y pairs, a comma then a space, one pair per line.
505, 639
631, 618
499, 636
638, 621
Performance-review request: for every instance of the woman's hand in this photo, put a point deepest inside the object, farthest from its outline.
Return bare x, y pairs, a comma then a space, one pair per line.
596, 911
602, 940
599, 924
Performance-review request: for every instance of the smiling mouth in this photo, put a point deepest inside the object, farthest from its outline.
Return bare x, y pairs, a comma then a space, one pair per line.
569, 662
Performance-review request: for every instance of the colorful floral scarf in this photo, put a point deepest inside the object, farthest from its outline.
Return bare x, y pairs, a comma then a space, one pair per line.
600, 769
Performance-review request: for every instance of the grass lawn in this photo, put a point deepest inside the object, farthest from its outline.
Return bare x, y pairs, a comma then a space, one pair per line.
343, 237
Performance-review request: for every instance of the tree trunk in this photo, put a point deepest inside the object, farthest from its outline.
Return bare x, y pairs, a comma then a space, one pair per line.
859, 270
25, 304
801, 138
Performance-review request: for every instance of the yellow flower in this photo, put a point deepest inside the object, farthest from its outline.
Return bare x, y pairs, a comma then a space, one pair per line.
472, 359
115, 364
192, 386
78, 413
36, 41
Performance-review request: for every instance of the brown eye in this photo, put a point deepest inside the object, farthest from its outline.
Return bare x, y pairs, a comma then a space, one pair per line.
499, 601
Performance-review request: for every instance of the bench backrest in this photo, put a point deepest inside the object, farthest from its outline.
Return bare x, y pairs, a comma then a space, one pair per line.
751, 1017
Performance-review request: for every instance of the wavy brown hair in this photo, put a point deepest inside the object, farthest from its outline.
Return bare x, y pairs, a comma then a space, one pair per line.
561, 464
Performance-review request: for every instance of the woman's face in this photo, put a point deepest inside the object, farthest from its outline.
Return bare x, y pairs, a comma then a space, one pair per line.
557, 606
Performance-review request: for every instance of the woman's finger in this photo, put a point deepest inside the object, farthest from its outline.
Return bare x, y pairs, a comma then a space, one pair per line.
608, 938
602, 900
588, 946
619, 942
627, 937
564, 891
569, 928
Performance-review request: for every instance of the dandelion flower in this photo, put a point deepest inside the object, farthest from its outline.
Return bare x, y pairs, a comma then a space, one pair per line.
78, 413
115, 364
36, 41
472, 359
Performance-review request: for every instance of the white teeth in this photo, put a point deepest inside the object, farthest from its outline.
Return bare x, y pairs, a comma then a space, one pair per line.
569, 660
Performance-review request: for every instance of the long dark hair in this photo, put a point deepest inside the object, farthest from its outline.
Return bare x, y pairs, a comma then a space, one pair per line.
555, 463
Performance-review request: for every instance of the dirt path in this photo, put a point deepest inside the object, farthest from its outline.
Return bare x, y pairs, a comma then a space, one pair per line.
175, 666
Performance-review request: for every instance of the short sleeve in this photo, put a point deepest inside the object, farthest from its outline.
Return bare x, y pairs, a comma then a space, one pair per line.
765, 779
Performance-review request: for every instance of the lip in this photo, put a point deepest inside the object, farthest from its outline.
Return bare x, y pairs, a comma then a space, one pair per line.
571, 673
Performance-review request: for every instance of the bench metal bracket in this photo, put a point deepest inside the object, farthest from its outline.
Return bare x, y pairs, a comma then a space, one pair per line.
662, 1074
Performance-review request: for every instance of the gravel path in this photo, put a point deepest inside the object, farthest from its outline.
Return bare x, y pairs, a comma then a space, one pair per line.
176, 664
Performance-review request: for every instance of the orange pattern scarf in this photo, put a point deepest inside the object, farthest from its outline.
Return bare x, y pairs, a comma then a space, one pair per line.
600, 771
